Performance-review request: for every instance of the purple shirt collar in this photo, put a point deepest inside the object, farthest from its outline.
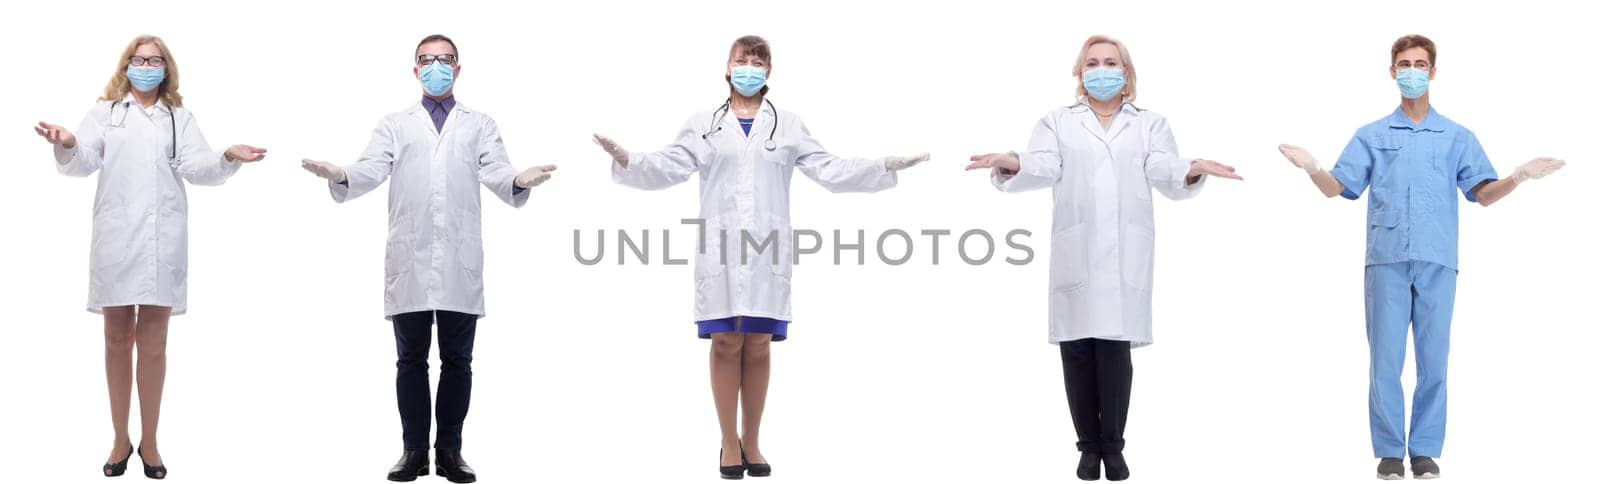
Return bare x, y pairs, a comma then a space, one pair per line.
438, 110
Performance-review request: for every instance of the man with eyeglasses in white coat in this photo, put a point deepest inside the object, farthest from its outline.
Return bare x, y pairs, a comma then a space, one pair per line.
434, 155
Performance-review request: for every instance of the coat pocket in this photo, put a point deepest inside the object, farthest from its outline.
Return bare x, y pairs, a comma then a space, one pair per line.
1138, 256
108, 241
397, 257
1385, 236
470, 253
1069, 259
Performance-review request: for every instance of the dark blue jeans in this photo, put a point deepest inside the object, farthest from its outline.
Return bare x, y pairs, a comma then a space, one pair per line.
413, 338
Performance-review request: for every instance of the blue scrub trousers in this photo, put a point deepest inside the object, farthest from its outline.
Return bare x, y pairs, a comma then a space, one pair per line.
1419, 296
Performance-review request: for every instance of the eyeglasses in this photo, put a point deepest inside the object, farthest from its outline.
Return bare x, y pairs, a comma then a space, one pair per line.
1405, 64
446, 59
152, 61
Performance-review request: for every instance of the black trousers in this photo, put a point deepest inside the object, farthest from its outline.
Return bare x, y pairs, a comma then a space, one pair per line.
1099, 375
413, 338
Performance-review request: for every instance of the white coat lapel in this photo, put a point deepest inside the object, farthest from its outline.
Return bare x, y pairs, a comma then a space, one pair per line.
1125, 117
729, 123
762, 126
1090, 122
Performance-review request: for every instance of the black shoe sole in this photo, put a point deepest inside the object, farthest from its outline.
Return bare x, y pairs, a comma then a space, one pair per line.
457, 480
423, 471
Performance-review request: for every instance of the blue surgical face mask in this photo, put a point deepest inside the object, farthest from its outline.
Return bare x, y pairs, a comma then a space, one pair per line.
437, 78
146, 78
1103, 83
1413, 82
748, 80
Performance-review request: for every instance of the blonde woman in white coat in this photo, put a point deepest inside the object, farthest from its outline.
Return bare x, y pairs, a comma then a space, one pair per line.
145, 145
745, 152
1101, 156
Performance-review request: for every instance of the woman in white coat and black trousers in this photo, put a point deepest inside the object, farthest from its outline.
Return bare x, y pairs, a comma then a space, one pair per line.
744, 153
1101, 157
145, 145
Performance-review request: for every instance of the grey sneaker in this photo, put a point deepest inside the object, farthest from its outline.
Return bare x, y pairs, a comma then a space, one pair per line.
1424, 468
1391, 469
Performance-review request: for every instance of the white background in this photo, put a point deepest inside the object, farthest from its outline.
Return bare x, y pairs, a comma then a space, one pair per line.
283, 370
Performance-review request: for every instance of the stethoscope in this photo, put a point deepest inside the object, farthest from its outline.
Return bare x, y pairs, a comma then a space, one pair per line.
722, 113
127, 107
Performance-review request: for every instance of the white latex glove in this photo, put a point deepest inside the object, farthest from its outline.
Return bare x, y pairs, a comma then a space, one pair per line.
324, 169
1536, 169
533, 176
1301, 158
897, 163
56, 135
1006, 162
618, 154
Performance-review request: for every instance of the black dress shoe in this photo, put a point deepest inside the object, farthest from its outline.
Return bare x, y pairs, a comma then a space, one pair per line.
1116, 467
114, 469
756, 470
412, 463
152, 471
729, 472
452, 467
1089, 466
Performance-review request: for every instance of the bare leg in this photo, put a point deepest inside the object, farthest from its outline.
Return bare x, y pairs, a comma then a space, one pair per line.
151, 336
725, 361
119, 375
757, 373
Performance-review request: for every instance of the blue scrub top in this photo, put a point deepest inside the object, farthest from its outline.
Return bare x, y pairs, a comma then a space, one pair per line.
1413, 170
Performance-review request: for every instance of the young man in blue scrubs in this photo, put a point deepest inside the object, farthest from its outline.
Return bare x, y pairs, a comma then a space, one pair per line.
1413, 160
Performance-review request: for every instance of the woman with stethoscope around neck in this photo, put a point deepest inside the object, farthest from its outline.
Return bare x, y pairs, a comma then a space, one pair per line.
145, 145
745, 152
1102, 157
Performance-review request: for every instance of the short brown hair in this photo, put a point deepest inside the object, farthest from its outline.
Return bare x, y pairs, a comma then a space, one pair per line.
1411, 42
438, 38
756, 46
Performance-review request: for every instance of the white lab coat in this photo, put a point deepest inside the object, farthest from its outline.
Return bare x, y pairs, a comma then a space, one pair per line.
434, 256
1102, 237
139, 250
745, 188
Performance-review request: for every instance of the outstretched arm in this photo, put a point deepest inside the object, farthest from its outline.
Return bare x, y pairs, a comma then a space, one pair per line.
672, 165
76, 155
1489, 192
366, 173
496, 173
1326, 183
840, 174
1037, 167
1177, 178
198, 164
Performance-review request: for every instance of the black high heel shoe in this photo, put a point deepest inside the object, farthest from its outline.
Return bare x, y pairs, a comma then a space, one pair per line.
1089, 466
156, 472
114, 469
729, 472
756, 470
